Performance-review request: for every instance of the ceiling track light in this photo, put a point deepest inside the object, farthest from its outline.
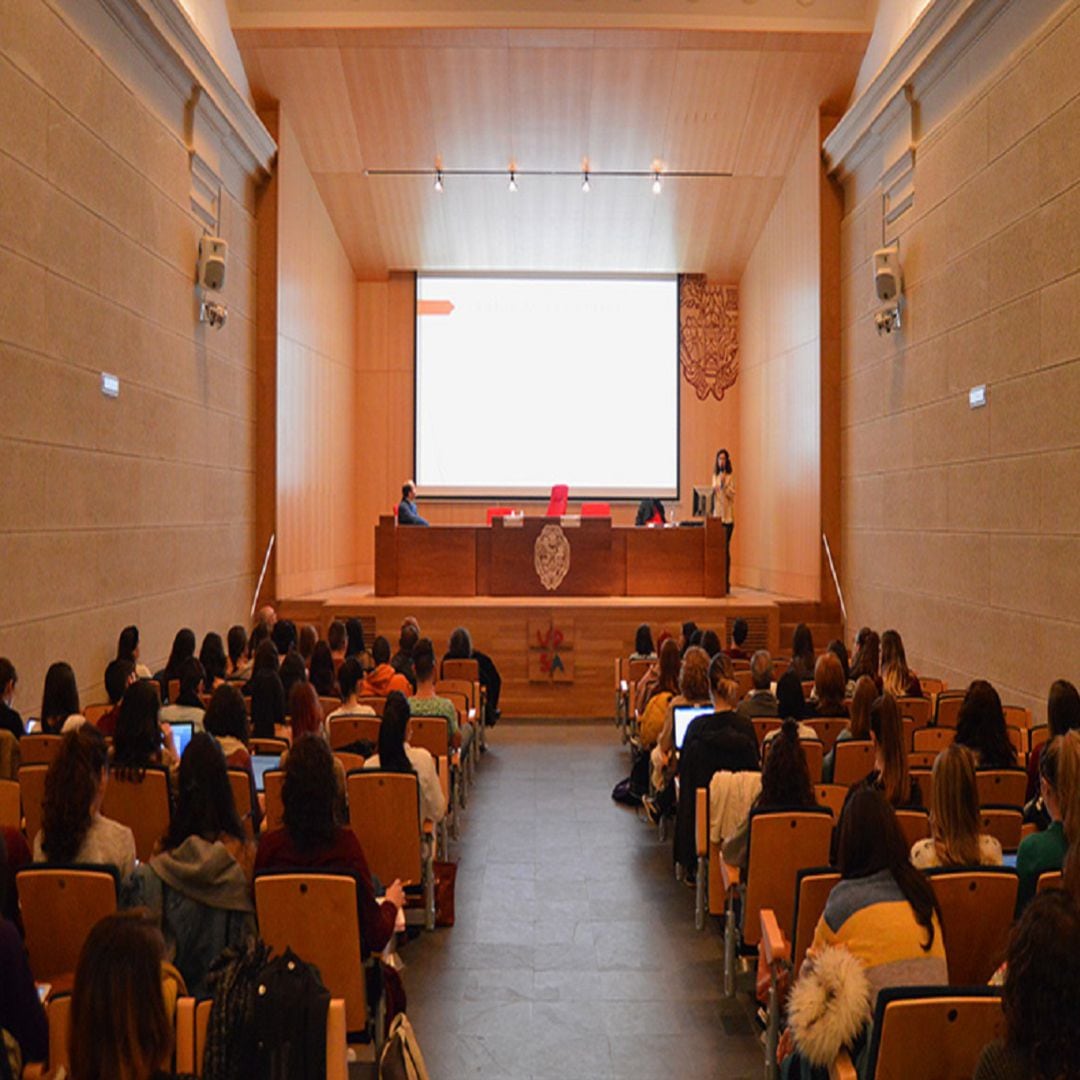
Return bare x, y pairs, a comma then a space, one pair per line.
585, 182
438, 180
512, 186
657, 187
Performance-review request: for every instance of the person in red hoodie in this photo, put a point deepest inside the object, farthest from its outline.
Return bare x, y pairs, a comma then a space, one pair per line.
383, 678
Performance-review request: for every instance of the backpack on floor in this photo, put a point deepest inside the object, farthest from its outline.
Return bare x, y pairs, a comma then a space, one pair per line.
630, 791
401, 1058
291, 1004
230, 1038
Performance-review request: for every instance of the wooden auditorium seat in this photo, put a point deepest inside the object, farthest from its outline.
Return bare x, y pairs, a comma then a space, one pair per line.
1004, 823
32, 796
142, 804
854, 760
914, 824
346, 730
933, 739
10, 805
274, 808
947, 708
1001, 787
827, 729
38, 749
243, 792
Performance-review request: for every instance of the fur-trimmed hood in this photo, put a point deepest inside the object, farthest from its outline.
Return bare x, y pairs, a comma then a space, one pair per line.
829, 1005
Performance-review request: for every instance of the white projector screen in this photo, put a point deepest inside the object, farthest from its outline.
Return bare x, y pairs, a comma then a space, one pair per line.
523, 382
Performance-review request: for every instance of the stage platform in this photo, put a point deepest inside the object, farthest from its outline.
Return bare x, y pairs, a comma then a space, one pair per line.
555, 655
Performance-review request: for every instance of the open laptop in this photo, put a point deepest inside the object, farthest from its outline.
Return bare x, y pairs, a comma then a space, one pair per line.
261, 764
684, 716
182, 731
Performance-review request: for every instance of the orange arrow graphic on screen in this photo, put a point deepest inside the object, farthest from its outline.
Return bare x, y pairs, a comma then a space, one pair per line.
434, 307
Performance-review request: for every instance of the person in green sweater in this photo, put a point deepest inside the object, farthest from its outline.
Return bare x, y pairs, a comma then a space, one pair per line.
1059, 782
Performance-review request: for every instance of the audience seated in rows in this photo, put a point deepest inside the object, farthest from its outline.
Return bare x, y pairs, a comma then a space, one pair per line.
980, 726
1042, 987
215, 663
760, 701
1062, 716
383, 678
73, 829
188, 706
127, 648
785, 785
197, 886
183, 648
660, 685
60, 709
955, 838
802, 653
396, 755
722, 741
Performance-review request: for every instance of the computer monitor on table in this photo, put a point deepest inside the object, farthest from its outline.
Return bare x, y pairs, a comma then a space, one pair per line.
684, 716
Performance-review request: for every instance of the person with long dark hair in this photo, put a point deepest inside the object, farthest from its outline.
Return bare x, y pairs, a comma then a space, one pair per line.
896, 677
10, 720
785, 785
197, 886
188, 706
321, 671
1062, 716
890, 773
120, 1026
643, 644
267, 692
141, 741
396, 755
980, 726
284, 636
866, 693
723, 504
73, 829
127, 648
1042, 987
60, 709
183, 647
355, 646
227, 720
350, 677
215, 663
802, 653
237, 667
867, 659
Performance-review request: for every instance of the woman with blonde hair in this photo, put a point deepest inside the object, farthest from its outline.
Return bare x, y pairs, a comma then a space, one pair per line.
896, 677
665, 687
954, 817
1059, 782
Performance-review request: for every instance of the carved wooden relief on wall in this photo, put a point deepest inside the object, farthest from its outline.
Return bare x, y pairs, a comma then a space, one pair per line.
708, 335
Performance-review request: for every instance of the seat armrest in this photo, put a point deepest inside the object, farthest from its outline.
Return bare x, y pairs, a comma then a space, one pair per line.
428, 828
843, 1068
773, 942
185, 1035
729, 875
701, 821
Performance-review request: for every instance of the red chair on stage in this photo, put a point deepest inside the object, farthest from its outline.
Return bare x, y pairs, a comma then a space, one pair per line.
498, 511
596, 509
560, 498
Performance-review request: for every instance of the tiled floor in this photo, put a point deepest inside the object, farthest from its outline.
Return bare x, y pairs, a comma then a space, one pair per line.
574, 954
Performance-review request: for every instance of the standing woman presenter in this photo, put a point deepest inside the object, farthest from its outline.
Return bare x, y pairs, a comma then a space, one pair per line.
723, 504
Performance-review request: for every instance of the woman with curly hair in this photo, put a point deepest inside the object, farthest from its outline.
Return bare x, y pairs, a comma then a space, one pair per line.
1042, 986
72, 827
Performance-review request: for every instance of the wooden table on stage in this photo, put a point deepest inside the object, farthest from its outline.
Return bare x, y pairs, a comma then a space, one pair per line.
499, 559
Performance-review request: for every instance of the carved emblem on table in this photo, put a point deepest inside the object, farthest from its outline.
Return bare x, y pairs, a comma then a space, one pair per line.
708, 335
551, 556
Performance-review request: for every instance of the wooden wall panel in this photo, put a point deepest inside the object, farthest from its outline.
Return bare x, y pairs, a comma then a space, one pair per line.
316, 429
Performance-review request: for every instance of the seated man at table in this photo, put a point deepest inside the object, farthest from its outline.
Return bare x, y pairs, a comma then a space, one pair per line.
407, 514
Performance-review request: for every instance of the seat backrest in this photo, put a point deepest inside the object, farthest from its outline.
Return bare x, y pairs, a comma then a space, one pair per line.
781, 844
977, 908
59, 908
814, 750
174, 690
1001, 787
933, 739
596, 509
10, 805
349, 760
93, 713
269, 746
745, 681
460, 669
374, 702
240, 782
931, 687
1004, 823
32, 795
922, 759
1017, 715
345, 730
637, 669
920, 709
832, 796
955, 1024
914, 824
764, 725
384, 813
812, 890
948, 708
827, 729
1038, 735
38, 749
274, 808
58, 1012
463, 687
315, 915
432, 733
854, 760
560, 497
1050, 879
140, 804
1018, 736
329, 704
461, 703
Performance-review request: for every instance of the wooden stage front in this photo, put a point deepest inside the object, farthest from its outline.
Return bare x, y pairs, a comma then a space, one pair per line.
524, 635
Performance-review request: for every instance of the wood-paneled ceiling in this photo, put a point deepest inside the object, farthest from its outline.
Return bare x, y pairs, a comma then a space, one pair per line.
696, 92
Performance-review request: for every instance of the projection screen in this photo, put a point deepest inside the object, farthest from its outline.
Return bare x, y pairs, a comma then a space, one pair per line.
523, 382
